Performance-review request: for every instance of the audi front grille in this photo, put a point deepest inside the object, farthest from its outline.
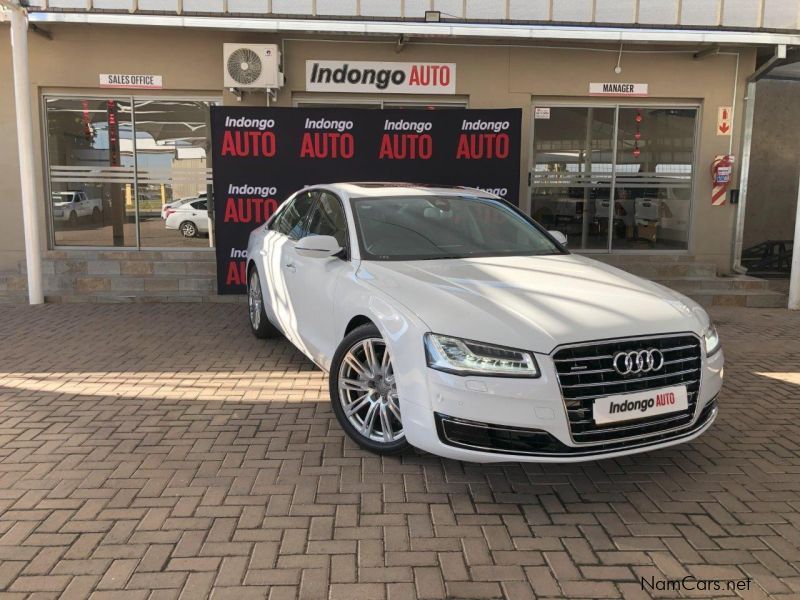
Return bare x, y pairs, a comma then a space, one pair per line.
586, 372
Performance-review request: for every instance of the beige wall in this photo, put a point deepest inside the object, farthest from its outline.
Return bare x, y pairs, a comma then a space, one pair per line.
12, 243
774, 166
488, 76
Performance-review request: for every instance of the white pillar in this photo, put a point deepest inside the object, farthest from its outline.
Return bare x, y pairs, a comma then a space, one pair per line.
794, 280
30, 204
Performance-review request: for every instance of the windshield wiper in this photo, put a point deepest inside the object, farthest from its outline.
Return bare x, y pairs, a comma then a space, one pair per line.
445, 257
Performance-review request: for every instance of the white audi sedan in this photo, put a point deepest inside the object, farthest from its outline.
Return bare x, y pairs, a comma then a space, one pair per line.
450, 321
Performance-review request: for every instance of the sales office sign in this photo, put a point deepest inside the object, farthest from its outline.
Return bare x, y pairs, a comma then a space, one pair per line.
128, 80
368, 77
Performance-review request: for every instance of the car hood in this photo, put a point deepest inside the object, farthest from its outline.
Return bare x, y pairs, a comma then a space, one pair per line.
533, 302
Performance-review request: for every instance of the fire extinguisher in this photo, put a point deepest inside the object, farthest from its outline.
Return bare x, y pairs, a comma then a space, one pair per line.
721, 175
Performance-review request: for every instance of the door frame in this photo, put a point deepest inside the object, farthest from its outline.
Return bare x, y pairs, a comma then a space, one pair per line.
589, 102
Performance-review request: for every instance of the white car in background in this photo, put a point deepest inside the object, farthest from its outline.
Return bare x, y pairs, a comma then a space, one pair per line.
449, 320
191, 218
72, 206
170, 207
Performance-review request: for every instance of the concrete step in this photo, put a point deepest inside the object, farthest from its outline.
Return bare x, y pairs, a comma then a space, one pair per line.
751, 298
690, 284
13, 297
660, 267
652, 270
12, 281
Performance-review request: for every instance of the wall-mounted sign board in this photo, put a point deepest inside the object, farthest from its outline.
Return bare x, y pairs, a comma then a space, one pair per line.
131, 81
618, 89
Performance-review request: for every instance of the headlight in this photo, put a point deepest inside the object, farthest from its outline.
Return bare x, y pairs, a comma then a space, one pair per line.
465, 357
711, 338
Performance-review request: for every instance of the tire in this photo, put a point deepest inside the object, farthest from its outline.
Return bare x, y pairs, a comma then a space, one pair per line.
73, 219
97, 216
364, 392
259, 323
188, 229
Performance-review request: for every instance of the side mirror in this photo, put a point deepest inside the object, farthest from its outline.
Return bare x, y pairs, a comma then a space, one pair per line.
318, 246
560, 237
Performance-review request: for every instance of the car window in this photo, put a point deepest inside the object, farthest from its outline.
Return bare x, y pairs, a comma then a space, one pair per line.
200, 205
441, 227
327, 218
291, 218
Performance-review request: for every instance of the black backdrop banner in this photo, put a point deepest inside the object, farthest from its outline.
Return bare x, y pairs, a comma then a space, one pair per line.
261, 156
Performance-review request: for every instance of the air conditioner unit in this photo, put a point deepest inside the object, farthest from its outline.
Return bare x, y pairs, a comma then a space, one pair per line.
252, 66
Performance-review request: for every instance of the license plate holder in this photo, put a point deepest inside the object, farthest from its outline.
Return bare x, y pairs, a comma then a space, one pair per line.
640, 405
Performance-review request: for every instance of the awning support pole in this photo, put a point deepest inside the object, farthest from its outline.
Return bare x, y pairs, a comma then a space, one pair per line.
30, 206
744, 176
794, 278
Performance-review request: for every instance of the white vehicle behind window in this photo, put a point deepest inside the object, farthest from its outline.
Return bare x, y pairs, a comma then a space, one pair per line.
190, 218
450, 321
71, 207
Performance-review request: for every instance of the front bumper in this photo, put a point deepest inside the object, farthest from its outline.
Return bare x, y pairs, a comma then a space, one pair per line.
495, 419
521, 442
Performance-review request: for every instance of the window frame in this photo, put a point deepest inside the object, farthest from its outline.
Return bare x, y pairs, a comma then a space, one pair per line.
616, 106
95, 95
273, 222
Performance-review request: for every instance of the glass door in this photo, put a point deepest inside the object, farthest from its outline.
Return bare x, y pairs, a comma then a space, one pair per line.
571, 178
653, 186
583, 156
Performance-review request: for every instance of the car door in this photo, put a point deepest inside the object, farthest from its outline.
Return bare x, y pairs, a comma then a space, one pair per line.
79, 204
200, 214
312, 281
277, 253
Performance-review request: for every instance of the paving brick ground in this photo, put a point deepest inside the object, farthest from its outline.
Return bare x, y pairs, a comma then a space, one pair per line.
159, 451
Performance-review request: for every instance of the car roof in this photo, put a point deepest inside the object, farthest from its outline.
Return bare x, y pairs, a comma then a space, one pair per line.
375, 189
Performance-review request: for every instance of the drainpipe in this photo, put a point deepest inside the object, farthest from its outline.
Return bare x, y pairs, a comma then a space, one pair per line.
794, 278
744, 172
30, 206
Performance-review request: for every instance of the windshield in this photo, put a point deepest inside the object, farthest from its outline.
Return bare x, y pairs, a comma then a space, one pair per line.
438, 227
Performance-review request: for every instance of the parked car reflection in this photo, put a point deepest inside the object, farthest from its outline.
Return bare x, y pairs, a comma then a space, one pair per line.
190, 218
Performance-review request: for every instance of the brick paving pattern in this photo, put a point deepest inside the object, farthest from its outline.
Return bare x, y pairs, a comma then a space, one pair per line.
159, 451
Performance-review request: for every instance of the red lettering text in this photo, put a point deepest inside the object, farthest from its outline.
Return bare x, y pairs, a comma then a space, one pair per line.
327, 145
249, 210
236, 272
401, 146
249, 143
476, 146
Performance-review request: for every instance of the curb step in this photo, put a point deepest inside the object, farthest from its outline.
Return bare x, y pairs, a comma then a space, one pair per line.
751, 298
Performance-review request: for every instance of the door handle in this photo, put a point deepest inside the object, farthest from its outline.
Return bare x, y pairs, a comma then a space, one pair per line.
290, 267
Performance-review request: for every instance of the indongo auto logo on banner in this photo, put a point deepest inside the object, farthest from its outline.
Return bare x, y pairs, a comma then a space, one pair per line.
370, 77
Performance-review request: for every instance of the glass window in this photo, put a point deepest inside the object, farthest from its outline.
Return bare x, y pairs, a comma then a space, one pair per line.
172, 150
327, 218
571, 179
89, 151
441, 227
118, 168
653, 189
291, 219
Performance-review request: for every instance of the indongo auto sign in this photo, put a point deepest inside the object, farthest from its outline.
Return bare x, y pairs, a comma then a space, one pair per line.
370, 77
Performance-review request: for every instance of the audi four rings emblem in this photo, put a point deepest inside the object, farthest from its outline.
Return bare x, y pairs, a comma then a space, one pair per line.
638, 361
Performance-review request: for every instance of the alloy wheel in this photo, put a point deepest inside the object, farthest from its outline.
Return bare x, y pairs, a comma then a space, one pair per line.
254, 300
368, 391
188, 229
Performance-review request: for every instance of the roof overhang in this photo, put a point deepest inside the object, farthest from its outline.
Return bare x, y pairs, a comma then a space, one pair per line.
517, 32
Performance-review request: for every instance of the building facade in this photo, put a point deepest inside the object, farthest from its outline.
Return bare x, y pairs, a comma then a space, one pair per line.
622, 121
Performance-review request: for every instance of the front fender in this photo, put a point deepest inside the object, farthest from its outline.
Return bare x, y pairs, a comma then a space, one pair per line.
402, 329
